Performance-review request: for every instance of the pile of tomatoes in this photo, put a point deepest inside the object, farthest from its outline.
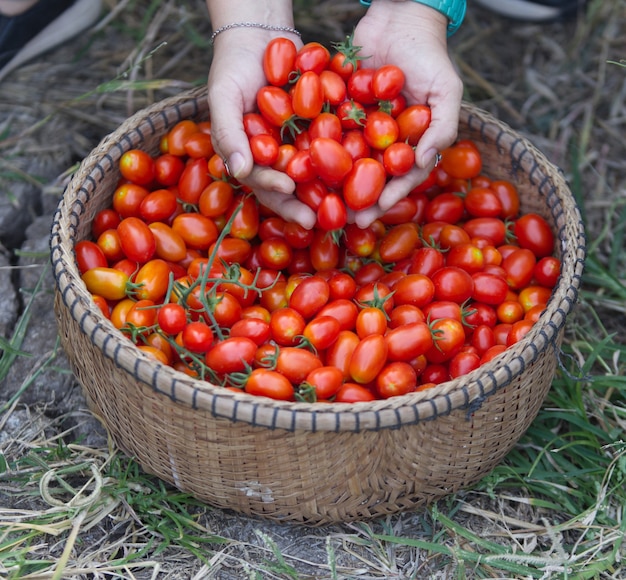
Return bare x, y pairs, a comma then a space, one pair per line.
193, 270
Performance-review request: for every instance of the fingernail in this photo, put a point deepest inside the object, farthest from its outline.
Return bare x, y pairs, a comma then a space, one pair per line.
236, 164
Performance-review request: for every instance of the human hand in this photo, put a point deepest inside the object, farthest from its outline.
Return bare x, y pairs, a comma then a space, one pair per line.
413, 37
235, 77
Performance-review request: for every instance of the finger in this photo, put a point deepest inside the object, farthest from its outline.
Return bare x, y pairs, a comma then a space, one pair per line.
269, 180
288, 207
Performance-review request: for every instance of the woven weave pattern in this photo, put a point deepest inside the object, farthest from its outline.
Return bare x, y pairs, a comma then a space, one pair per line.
311, 463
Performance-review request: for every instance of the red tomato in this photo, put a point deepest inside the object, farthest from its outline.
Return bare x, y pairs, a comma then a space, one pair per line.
231, 355
158, 205
446, 207
127, 199
313, 56
343, 310
296, 363
395, 379
492, 353
399, 158
518, 331
267, 383
368, 358
287, 326
375, 294
172, 318
89, 255
466, 256
279, 61
510, 311
215, 198
333, 87
412, 123
309, 296
463, 363
178, 134
330, 160
426, 261
461, 161
409, 341
371, 320
448, 336
381, 130
352, 115
340, 352
325, 381
300, 168
360, 86
199, 145
405, 314
332, 213
547, 271
534, 233
387, 82
194, 179
453, 284
353, 393
482, 202
137, 239
256, 329
274, 104
325, 125
137, 166
415, 289
321, 332
519, 266
226, 309
245, 224
105, 219
489, 288
167, 169
483, 338
307, 95
508, 196
532, 296
364, 183
152, 280
492, 229
197, 337
197, 231
106, 282
324, 251
264, 149
399, 242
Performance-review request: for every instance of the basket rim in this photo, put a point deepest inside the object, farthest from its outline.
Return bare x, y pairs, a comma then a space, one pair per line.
467, 392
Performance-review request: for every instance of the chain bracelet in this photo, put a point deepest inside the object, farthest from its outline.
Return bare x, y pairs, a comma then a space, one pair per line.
252, 25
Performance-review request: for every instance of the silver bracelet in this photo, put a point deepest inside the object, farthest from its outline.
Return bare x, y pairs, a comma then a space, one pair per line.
252, 25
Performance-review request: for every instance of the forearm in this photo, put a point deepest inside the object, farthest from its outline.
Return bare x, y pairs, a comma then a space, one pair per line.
274, 12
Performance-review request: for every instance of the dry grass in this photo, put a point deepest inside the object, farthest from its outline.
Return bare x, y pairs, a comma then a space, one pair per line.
84, 511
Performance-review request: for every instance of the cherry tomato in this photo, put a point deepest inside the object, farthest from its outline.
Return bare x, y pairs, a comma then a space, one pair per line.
399, 158
426, 261
489, 288
518, 331
279, 60
301, 169
343, 310
178, 134
307, 95
199, 145
197, 337
296, 363
415, 289
352, 115
353, 393
152, 280
532, 296
313, 56
339, 354
395, 379
256, 329
519, 267
274, 104
492, 229
267, 383
387, 82
453, 284
106, 282
136, 239
409, 341
381, 130
534, 233
368, 358
330, 160
371, 320
193, 180
287, 326
172, 318
310, 296
449, 337
482, 202
412, 123
168, 169
127, 199
360, 86
105, 219
508, 196
333, 87
325, 381
231, 355
332, 213
364, 183
137, 166
264, 149
321, 332
324, 251
461, 161
399, 242
89, 255
547, 271
197, 231
463, 363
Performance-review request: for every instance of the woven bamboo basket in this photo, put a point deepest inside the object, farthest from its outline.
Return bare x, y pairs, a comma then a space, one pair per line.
305, 462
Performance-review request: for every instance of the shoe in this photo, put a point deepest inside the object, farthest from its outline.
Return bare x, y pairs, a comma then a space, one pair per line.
533, 10
43, 27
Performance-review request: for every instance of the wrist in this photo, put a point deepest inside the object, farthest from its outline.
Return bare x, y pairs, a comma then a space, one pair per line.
453, 10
